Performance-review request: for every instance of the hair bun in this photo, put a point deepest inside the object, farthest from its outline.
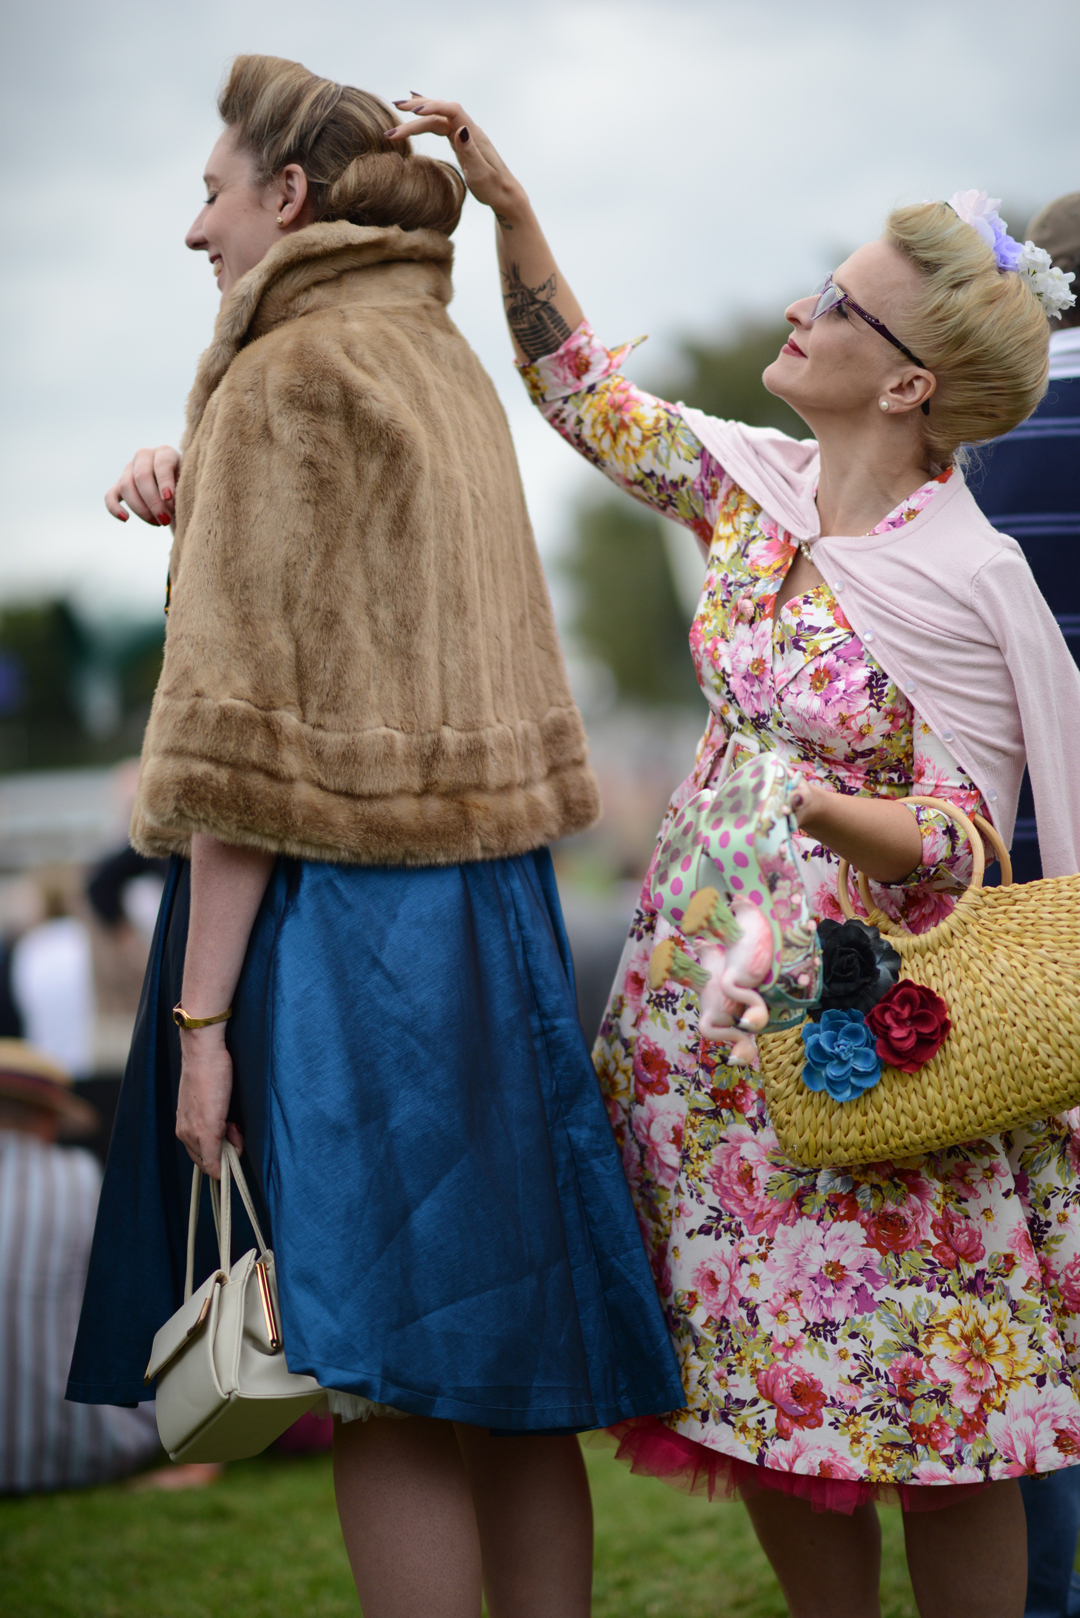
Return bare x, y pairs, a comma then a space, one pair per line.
396, 188
281, 113
982, 333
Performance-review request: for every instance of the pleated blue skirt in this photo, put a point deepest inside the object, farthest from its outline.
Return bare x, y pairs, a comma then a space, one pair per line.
452, 1230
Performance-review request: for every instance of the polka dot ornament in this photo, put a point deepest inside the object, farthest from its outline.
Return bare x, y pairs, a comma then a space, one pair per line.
737, 838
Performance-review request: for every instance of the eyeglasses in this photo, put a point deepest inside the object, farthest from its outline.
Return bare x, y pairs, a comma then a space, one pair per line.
829, 296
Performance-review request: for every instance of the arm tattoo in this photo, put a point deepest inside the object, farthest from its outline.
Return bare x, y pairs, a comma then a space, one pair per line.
537, 325
503, 221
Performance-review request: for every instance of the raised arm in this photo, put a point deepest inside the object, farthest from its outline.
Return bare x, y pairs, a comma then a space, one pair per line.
639, 441
541, 310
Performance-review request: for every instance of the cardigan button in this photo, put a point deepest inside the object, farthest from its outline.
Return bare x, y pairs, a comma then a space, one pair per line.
910, 686
946, 735
838, 584
992, 796
869, 635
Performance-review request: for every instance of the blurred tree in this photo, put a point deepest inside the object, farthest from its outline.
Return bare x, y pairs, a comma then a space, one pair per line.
73, 692
627, 613
724, 378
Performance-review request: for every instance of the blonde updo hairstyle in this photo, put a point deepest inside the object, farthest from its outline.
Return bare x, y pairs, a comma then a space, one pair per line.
981, 331
280, 113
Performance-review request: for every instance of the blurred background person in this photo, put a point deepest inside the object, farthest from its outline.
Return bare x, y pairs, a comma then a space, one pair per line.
1028, 483
52, 976
1030, 488
48, 1201
75, 970
123, 893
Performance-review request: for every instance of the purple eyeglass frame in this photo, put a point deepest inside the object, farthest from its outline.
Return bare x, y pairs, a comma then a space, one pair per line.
825, 303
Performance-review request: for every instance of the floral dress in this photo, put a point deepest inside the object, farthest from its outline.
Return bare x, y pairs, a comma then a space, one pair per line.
842, 1332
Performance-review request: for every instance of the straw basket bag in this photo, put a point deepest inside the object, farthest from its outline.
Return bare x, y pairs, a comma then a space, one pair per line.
224, 1390
1006, 962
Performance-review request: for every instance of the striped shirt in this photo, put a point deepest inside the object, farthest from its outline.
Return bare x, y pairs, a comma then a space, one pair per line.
48, 1200
1028, 484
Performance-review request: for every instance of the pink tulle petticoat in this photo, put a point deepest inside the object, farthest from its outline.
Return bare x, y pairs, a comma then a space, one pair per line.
653, 1449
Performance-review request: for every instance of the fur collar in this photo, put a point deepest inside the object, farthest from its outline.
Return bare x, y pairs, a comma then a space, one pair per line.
361, 661
282, 285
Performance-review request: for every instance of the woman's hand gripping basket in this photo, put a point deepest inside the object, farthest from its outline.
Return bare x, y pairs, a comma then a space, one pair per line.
980, 1033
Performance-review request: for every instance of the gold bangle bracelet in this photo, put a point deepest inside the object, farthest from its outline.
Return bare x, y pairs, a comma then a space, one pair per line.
182, 1020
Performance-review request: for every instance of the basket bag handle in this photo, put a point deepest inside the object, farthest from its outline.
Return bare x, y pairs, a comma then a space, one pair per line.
221, 1203
971, 826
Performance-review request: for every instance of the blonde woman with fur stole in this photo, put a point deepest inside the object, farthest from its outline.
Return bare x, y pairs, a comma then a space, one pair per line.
908, 1331
361, 744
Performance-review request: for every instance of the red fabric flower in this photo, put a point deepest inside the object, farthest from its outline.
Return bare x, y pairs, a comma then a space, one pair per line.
911, 1023
936, 1435
797, 1395
651, 1069
958, 1240
973, 1426
891, 1230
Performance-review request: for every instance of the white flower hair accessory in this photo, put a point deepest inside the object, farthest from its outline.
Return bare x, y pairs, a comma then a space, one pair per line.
1050, 285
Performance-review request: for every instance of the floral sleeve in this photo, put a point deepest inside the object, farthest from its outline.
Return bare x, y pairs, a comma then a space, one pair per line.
640, 442
946, 853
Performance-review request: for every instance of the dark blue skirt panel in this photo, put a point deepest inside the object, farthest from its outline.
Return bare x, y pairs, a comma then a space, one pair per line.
452, 1229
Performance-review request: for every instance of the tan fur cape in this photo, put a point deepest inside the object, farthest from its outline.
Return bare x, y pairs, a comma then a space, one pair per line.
361, 661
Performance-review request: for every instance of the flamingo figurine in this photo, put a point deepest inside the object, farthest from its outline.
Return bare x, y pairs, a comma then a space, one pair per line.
736, 957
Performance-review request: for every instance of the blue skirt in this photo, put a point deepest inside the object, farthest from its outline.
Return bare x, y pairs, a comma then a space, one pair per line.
452, 1229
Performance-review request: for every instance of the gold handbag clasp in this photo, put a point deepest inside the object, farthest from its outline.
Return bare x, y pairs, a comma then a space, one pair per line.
267, 1298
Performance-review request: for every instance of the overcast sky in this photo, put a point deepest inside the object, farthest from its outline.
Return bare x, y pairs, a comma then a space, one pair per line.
691, 160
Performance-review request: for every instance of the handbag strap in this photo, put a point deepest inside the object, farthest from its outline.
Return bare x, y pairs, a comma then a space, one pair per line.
193, 1220
221, 1205
971, 826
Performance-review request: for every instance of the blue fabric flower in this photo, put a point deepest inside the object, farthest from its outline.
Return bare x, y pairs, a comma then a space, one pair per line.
841, 1055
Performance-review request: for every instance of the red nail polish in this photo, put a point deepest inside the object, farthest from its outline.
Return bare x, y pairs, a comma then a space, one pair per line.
164, 519
166, 494
463, 134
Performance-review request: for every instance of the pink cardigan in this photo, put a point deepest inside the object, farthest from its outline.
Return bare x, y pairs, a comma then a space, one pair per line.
949, 608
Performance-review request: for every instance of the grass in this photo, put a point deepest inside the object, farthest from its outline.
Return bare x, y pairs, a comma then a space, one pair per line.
263, 1542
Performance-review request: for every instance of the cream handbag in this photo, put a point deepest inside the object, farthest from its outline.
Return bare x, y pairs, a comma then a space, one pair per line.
224, 1390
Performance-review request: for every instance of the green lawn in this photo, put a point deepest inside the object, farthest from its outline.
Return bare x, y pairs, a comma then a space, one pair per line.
263, 1542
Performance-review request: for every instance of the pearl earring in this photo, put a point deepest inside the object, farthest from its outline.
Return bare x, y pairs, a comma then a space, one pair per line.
281, 221
884, 403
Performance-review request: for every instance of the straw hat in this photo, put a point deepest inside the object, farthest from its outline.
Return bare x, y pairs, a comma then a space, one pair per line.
28, 1075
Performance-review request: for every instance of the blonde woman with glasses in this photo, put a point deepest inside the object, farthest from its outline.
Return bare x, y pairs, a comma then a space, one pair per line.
907, 1331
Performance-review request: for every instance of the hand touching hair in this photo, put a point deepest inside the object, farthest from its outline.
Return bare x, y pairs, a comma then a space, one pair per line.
281, 113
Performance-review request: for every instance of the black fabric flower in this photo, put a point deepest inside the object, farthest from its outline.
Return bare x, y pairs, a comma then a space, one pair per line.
858, 966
